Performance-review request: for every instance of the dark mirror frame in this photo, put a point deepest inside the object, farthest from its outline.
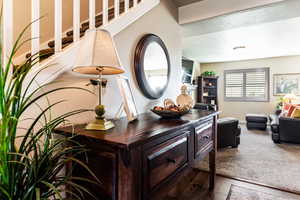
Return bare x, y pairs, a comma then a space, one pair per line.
139, 66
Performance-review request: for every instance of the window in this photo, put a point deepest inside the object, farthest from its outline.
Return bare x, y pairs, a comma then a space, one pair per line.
247, 84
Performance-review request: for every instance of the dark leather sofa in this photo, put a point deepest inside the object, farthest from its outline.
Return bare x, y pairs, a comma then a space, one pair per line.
285, 129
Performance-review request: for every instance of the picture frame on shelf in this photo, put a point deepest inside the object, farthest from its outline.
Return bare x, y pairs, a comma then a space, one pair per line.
128, 105
286, 84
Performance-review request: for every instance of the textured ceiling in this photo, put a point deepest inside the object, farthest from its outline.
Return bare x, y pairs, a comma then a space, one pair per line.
185, 2
267, 31
280, 38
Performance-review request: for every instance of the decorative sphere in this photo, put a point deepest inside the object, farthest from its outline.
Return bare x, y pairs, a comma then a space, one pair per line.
99, 110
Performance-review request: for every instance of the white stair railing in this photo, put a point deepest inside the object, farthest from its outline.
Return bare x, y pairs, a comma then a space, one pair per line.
126, 5
92, 14
76, 20
117, 8
7, 30
58, 25
105, 12
35, 27
7, 25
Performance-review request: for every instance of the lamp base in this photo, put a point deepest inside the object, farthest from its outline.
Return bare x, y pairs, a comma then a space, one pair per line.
100, 125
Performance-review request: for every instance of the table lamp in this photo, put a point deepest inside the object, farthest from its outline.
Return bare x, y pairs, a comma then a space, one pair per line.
289, 98
98, 56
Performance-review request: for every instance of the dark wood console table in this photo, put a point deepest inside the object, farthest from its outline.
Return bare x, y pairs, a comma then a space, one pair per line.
142, 159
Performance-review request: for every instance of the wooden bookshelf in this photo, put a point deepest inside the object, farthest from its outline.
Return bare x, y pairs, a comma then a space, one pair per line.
207, 91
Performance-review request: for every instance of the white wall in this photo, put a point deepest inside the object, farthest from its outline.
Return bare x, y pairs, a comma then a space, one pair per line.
162, 21
279, 65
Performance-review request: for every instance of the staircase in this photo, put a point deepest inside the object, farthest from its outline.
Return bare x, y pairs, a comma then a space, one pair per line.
61, 52
69, 38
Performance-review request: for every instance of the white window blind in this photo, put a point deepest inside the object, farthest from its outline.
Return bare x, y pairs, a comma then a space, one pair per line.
247, 84
234, 85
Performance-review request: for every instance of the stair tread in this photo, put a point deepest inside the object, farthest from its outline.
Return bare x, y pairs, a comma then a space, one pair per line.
43, 53
64, 40
46, 53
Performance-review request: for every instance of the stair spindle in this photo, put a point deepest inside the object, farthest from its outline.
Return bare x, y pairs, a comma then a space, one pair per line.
117, 8
35, 28
58, 25
126, 5
135, 2
105, 12
7, 30
76, 20
92, 11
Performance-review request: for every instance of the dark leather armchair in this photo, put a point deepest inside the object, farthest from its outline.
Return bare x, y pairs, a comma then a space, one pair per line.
285, 129
228, 132
228, 128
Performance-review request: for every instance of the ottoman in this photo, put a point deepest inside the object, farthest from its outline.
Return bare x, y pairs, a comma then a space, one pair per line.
256, 121
228, 132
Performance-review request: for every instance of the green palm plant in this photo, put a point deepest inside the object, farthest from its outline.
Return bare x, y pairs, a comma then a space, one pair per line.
33, 169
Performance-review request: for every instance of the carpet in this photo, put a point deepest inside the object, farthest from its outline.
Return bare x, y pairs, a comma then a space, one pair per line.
260, 160
242, 193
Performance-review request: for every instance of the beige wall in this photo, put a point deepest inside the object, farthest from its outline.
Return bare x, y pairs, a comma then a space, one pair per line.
167, 28
240, 109
22, 17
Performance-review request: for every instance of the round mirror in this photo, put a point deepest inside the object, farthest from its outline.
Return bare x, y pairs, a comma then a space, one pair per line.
152, 66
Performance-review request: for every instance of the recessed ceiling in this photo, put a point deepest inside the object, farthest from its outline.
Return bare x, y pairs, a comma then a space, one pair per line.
180, 3
274, 12
268, 31
281, 38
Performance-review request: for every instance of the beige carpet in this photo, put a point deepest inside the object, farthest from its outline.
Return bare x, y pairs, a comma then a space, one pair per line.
242, 193
258, 159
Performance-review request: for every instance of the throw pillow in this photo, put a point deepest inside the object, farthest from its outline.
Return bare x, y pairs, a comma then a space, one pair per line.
291, 110
286, 106
296, 112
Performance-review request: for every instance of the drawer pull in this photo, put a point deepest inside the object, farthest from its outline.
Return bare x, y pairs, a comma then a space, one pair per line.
171, 160
204, 137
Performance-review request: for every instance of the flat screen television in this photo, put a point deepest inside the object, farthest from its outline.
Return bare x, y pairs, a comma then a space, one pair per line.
187, 71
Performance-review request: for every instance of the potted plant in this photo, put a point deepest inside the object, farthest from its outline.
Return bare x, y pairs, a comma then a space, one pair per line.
209, 73
32, 170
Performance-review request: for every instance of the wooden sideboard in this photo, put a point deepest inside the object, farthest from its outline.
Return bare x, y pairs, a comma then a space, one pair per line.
144, 159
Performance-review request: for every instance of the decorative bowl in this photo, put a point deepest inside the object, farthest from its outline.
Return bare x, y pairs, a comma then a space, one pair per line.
168, 114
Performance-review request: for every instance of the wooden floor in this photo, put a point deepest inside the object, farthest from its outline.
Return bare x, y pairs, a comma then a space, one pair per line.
195, 187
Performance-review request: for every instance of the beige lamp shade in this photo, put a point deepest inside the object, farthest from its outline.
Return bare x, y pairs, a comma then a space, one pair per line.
97, 53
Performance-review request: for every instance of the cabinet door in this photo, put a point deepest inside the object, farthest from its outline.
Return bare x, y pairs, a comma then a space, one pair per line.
162, 161
104, 166
203, 138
